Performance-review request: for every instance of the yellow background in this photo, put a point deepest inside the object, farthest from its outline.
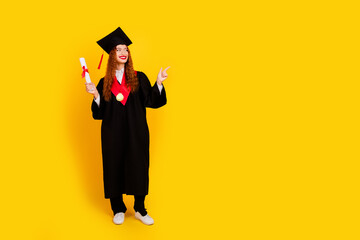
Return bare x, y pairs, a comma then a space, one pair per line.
259, 138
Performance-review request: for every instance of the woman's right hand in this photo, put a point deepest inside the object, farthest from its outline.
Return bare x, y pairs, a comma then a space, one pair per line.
91, 88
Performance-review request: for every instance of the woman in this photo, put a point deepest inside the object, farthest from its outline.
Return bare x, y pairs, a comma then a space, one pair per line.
120, 101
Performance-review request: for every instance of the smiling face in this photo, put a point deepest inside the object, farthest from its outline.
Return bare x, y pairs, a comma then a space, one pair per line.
122, 53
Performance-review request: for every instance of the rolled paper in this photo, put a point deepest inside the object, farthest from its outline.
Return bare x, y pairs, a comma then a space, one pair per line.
85, 71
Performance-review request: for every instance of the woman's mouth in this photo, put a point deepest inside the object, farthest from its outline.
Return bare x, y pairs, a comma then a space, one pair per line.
123, 57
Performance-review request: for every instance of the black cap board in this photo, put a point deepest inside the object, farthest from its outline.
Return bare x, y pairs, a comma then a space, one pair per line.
113, 39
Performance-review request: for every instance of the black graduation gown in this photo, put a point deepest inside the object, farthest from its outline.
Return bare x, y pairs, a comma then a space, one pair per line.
125, 138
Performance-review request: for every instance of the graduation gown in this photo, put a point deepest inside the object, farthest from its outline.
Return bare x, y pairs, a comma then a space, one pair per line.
125, 138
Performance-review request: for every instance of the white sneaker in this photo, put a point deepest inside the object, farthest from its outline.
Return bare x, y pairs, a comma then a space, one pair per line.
145, 219
119, 218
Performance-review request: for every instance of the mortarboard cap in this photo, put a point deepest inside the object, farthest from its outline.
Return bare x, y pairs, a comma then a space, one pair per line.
113, 39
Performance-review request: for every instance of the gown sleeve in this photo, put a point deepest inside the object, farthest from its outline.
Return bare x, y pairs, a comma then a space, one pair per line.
152, 96
98, 111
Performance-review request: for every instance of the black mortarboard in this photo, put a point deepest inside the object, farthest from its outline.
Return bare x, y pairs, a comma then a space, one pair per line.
113, 39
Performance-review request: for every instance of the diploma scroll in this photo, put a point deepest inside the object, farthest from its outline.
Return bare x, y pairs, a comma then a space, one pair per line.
85, 70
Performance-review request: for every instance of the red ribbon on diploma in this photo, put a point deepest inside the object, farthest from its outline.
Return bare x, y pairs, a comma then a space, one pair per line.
84, 70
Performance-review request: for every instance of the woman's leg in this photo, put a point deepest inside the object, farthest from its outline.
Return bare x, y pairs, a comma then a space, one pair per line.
139, 205
117, 205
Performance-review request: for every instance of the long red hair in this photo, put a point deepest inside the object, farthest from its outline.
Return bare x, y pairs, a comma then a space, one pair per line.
131, 78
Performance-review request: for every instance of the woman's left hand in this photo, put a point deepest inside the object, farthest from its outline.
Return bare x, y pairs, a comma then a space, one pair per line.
162, 76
